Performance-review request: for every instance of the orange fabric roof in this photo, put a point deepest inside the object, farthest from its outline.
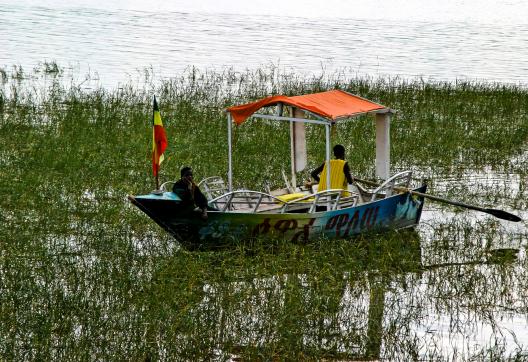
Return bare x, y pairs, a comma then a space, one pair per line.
330, 105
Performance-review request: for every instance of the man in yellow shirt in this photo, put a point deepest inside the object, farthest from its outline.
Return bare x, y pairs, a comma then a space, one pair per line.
340, 175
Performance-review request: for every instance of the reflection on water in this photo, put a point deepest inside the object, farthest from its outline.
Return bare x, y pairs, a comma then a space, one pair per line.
116, 43
453, 295
449, 310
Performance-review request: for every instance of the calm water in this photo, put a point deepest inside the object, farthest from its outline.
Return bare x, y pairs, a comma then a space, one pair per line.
462, 301
115, 41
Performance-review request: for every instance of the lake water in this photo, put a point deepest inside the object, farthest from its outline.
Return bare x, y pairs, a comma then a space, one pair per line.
115, 41
461, 294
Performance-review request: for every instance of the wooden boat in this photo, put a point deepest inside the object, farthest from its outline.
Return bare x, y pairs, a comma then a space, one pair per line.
298, 214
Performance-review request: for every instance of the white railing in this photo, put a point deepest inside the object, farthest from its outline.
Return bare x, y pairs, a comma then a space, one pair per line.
213, 186
401, 179
164, 185
255, 201
251, 201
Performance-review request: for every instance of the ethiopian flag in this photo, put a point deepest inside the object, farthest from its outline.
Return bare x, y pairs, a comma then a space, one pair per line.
159, 139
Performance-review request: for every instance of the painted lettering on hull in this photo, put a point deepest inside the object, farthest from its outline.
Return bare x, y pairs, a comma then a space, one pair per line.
344, 224
285, 226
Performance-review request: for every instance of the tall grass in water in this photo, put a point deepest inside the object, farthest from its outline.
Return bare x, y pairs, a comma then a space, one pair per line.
85, 276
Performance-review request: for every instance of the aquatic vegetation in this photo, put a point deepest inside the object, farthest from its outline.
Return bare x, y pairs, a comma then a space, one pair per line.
83, 275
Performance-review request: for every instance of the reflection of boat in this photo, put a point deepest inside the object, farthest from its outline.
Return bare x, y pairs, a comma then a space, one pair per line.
343, 313
295, 213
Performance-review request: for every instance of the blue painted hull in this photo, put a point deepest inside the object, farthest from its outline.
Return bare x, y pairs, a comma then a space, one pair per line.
395, 212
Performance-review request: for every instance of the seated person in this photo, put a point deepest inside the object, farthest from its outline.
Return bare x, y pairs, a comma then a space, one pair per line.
340, 175
190, 193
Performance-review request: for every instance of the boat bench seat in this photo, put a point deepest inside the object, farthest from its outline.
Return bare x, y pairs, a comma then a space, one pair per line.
294, 196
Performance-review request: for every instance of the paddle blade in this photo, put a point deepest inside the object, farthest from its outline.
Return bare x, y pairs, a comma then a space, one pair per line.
503, 215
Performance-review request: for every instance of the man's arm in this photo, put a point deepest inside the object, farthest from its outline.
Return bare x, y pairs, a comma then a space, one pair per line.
201, 202
315, 173
348, 176
200, 199
182, 190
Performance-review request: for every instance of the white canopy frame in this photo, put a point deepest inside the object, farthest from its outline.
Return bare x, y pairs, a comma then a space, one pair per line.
383, 119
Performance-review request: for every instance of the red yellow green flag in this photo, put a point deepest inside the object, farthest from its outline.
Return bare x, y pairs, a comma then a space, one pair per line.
159, 139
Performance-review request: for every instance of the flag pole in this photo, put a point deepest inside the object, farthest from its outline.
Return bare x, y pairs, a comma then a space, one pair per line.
159, 142
157, 181
155, 155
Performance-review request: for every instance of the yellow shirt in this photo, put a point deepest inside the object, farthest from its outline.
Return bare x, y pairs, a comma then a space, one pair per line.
337, 176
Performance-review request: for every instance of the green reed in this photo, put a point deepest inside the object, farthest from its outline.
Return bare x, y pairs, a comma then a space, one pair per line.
84, 275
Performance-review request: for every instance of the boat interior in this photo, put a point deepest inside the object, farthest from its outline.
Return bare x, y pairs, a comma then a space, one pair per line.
303, 199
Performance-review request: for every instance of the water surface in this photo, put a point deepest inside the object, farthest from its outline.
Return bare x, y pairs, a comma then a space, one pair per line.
116, 41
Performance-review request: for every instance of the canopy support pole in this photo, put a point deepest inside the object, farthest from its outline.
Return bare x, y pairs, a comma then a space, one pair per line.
327, 156
229, 154
383, 145
292, 151
327, 126
297, 145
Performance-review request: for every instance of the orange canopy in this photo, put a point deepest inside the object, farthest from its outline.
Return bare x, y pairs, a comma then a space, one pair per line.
331, 105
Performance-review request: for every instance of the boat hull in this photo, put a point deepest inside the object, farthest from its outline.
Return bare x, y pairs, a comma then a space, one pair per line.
395, 212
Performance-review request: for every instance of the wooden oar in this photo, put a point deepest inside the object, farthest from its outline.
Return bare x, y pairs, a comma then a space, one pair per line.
497, 213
